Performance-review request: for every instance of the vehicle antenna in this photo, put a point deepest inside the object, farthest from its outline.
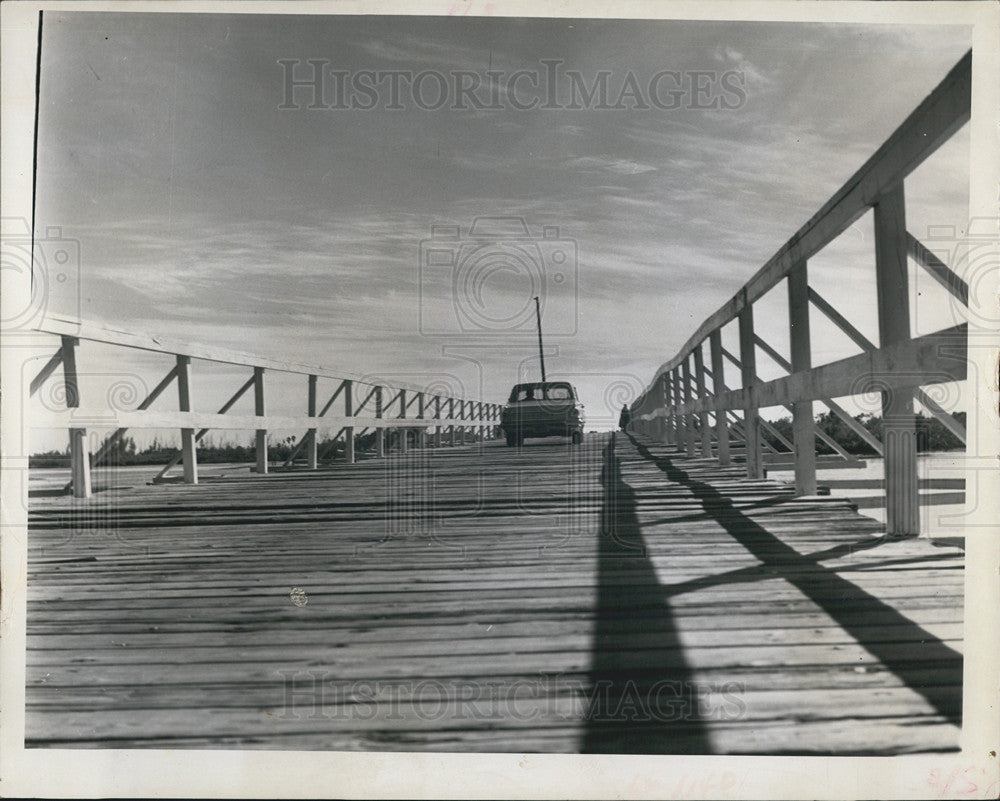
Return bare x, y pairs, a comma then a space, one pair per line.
541, 353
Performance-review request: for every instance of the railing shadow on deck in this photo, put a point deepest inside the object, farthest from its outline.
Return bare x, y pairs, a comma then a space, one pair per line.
836, 596
643, 698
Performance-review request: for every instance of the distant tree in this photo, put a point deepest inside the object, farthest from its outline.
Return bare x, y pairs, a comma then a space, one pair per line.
931, 434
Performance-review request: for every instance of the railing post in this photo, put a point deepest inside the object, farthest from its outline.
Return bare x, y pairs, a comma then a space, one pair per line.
669, 437
718, 387
899, 437
311, 445
803, 429
403, 433
685, 432
79, 446
668, 418
689, 416
680, 429
259, 410
751, 416
349, 430
451, 416
189, 453
706, 429
421, 433
379, 432
437, 416
663, 400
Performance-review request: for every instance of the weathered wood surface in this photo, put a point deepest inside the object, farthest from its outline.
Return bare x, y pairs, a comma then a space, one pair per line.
482, 598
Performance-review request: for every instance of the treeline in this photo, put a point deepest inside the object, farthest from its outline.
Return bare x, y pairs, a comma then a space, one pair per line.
931, 436
125, 453
931, 433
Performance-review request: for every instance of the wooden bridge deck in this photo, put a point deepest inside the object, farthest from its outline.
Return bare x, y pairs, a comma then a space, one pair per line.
487, 599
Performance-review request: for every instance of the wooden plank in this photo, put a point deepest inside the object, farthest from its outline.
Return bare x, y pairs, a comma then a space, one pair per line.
840, 321
933, 358
803, 428
940, 271
855, 426
93, 332
47, 370
155, 419
189, 455
670, 402
146, 402
706, 430
718, 388
899, 436
678, 401
311, 443
689, 419
79, 444
260, 412
198, 437
924, 399
941, 114
748, 372
165, 616
349, 455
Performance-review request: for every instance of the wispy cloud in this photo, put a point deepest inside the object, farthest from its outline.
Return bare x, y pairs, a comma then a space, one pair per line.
204, 211
610, 164
412, 51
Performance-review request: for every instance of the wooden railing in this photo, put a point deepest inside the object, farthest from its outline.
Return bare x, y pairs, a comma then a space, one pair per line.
364, 406
678, 405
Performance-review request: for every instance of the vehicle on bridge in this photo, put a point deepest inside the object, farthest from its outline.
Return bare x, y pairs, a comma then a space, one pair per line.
542, 409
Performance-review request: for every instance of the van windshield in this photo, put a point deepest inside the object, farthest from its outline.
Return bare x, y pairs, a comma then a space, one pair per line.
553, 390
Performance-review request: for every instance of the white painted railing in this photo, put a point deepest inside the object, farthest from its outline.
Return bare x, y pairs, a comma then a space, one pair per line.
409, 410
678, 405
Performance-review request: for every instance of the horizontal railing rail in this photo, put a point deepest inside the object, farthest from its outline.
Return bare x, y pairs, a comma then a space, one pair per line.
930, 125
167, 345
679, 404
407, 410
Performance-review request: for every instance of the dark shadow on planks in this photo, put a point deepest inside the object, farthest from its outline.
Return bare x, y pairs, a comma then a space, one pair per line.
637, 705
839, 598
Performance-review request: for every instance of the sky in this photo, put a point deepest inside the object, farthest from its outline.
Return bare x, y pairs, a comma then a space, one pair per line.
343, 236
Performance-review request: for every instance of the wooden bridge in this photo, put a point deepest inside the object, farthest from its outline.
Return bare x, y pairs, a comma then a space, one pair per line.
646, 592
610, 597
